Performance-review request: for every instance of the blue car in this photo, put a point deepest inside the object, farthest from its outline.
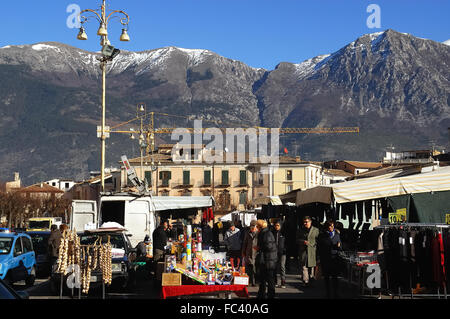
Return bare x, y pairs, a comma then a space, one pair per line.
17, 258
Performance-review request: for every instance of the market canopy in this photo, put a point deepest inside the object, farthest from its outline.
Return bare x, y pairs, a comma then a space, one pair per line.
161, 203
319, 194
388, 185
392, 185
274, 200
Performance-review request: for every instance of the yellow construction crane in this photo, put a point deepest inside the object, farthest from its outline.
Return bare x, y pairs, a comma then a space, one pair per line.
148, 135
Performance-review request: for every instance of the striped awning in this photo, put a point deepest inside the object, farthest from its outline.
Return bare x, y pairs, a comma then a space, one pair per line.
390, 185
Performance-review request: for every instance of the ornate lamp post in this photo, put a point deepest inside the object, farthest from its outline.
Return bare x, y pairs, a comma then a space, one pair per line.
108, 54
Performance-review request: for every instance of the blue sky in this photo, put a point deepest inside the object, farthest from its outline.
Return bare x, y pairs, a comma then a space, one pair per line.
260, 33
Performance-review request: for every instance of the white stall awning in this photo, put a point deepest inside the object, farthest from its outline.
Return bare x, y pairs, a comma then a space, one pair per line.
389, 185
161, 203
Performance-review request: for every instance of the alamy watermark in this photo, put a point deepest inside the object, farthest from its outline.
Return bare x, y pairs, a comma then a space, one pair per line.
374, 20
235, 145
73, 20
374, 279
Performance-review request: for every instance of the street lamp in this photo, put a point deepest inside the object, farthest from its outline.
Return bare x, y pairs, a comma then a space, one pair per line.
108, 54
141, 113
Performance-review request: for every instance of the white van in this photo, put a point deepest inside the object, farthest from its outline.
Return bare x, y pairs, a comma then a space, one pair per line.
137, 214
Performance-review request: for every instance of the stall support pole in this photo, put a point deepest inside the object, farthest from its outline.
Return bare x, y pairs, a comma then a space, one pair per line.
103, 289
61, 286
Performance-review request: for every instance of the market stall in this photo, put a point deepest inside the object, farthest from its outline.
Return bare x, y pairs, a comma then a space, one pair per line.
361, 208
79, 261
188, 270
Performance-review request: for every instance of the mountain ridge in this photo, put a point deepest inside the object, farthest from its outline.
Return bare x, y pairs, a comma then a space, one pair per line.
394, 86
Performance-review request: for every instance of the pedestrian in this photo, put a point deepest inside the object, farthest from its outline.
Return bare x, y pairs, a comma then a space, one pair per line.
159, 242
248, 253
171, 232
141, 249
207, 235
280, 241
329, 244
306, 240
266, 261
234, 244
53, 243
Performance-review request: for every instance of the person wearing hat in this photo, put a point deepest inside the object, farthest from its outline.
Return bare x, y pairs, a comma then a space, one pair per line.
141, 248
248, 253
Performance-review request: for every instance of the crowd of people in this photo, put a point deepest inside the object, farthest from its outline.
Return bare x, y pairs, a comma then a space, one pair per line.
261, 249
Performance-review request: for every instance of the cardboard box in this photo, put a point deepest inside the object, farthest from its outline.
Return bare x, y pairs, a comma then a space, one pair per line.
241, 280
171, 279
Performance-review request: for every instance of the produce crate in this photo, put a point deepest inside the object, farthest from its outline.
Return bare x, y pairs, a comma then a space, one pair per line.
171, 279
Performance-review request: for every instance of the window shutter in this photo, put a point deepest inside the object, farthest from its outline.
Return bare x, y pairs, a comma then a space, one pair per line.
148, 177
207, 177
243, 178
186, 177
224, 177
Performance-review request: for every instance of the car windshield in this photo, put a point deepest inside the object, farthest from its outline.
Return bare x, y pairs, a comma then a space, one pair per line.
5, 245
117, 240
39, 224
40, 243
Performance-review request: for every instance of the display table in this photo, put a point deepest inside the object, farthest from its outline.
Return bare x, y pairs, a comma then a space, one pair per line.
175, 291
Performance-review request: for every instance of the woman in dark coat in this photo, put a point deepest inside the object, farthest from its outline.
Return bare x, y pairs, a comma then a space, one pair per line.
266, 260
329, 244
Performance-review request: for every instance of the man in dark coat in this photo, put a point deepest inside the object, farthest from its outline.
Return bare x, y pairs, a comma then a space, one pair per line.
266, 261
329, 244
281, 256
159, 241
53, 243
249, 253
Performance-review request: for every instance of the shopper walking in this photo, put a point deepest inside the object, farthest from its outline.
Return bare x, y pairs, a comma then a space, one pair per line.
280, 241
266, 261
306, 240
329, 244
248, 253
53, 243
234, 244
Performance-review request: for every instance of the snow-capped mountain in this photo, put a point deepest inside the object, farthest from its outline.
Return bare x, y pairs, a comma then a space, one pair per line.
394, 86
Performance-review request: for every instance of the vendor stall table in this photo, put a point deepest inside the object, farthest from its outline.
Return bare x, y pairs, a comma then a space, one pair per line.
176, 291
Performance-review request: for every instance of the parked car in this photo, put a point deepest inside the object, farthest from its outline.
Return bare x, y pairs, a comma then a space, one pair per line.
6, 292
17, 258
121, 250
40, 246
122, 268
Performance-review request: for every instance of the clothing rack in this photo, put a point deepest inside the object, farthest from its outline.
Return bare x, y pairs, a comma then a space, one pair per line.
419, 225
412, 225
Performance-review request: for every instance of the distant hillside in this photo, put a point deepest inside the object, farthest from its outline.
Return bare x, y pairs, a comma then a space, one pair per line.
394, 86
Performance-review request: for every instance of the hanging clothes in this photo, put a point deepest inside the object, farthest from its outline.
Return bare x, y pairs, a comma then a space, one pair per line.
380, 252
438, 260
412, 257
208, 214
